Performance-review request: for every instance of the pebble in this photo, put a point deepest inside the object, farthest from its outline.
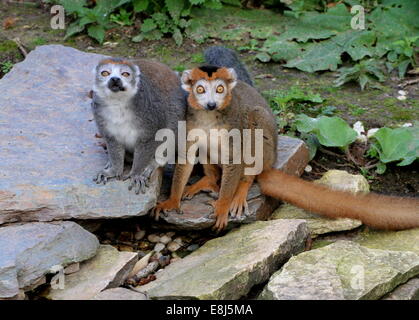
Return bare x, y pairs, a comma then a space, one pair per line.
192, 247
153, 238
139, 235
173, 246
125, 236
165, 239
159, 247
123, 247
178, 240
144, 245
170, 234
164, 261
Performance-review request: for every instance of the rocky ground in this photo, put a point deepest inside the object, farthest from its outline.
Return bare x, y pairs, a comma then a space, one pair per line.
64, 237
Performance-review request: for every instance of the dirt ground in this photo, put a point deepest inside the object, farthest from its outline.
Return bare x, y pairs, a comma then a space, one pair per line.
375, 108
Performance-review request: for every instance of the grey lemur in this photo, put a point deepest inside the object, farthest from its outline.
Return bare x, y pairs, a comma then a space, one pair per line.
131, 102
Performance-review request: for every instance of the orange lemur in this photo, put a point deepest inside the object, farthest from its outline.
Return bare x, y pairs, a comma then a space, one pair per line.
218, 99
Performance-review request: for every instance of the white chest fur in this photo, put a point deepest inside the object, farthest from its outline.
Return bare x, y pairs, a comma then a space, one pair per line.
120, 122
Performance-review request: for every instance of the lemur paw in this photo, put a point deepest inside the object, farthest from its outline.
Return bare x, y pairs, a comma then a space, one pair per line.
139, 183
106, 174
165, 207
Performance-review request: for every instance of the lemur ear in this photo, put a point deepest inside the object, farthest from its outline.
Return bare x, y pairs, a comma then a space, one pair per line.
186, 80
232, 81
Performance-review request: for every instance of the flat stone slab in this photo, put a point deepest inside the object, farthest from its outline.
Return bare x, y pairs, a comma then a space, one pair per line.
108, 269
293, 157
406, 291
28, 251
49, 152
229, 266
119, 294
342, 270
335, 179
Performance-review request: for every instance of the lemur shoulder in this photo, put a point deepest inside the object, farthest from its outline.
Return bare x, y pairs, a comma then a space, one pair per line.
217, 98
131, 101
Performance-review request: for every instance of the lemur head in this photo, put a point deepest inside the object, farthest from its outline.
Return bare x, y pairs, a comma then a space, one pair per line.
116, 76
209, 87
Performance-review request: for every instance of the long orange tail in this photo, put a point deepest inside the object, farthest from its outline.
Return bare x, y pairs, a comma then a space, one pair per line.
377, 211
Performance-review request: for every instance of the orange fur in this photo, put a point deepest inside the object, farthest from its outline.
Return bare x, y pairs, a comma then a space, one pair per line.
377, 211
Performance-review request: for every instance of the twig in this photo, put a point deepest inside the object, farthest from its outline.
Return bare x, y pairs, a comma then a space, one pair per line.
331, 153
408, 82
20, 46
320, 165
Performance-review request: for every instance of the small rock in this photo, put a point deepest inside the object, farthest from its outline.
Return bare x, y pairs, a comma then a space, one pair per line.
123, 247
151, 267
72, 268
141, 264
159, 247
164, 261
154, 238
165, 239
139, 235
144, 245
108, 269
178, 240
192, 247
170, 234
173, 246
125, 236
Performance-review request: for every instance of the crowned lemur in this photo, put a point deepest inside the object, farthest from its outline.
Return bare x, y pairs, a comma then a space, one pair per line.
131, 102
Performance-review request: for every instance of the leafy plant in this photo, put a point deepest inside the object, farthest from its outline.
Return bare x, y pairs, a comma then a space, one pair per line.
366, 73
286, 103
391, 145
402, 54
123, 18
6, 66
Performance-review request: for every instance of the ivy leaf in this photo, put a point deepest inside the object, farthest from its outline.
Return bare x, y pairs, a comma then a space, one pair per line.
97, 32
330, 131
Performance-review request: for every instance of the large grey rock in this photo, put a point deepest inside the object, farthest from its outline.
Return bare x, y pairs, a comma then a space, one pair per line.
108, 269
49, 152
119, 294
27, 252
228, 267
342, 270
293, 157
406, 291
336, 179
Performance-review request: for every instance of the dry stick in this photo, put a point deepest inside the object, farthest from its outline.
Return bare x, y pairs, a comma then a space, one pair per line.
408, 82
331, 153
20, 46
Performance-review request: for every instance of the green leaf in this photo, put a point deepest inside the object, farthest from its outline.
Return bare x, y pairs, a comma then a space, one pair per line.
97, 32
175, 8
330, 131
381, 168
73, 29
73, 6
140, 5
401, 144
148, 25
177, 36
263, 57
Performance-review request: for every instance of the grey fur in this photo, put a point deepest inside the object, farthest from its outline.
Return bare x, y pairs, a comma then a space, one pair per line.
223, 57
153, 107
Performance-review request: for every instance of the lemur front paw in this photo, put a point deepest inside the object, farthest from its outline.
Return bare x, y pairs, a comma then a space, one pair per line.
106, 174
167, 206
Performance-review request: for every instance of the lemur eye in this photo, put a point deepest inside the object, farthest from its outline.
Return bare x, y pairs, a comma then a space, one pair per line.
200, 89
220, 89
105, 73
125, 74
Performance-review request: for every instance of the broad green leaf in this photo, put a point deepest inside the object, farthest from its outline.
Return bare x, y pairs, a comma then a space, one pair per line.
330, 131
140, 5
400, 144
73, 6
97, 32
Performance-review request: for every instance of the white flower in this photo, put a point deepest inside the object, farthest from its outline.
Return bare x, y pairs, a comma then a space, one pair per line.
371, 132
360, 130
402, 92
401, 98
407, 124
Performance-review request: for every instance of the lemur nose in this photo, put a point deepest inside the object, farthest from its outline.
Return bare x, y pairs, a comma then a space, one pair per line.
114, 79
211, 105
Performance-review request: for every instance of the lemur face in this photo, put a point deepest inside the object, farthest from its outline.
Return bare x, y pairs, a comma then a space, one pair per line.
209, 87
116, 76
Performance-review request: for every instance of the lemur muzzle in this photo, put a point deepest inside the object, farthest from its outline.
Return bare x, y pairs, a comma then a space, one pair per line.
115, 84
